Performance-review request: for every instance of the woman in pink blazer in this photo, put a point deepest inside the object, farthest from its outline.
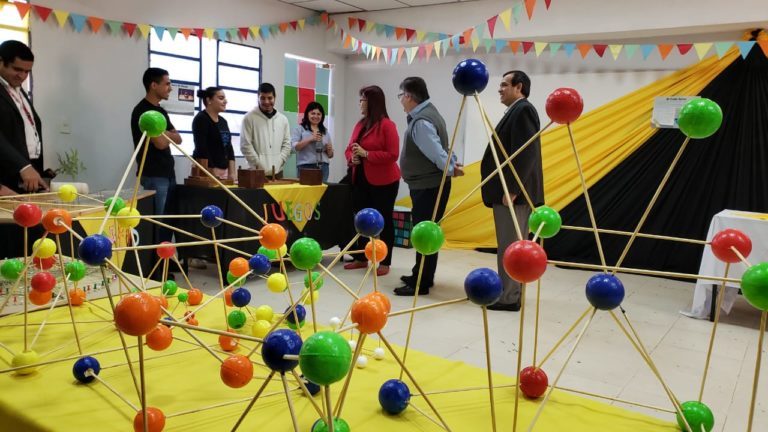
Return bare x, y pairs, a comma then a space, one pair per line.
373, 151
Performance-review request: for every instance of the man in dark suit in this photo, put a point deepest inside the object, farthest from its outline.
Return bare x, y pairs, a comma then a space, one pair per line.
519, 123
21, 145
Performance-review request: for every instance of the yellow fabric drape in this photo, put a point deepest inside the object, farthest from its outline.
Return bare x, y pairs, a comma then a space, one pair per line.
605, 137
298, 201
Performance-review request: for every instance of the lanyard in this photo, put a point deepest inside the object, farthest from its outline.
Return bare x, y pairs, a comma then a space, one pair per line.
23, 105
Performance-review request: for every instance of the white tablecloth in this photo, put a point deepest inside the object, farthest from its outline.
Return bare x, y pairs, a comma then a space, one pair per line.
754, 225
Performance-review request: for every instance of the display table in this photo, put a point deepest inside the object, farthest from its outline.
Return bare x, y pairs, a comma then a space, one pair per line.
755, 226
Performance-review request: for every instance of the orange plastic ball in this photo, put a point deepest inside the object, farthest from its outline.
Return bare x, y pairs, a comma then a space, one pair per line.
193, 321
239, 266
369, 315
228, 343
194, 296
160, 338
381, 250
273, 236
228, 297
56, 221
155, 420
236, 371
137, 314
76, 296
40, 298
381, 298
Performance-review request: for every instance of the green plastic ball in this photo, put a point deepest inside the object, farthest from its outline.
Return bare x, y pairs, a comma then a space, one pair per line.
306, 253
75, 270
325, 358
232, 278
316, 279
427, 237
551, 219
339, 425
183, 297
754, 285
269, 253
153, 123
170, 287
11, 268
700, 118
697, 414
236, 319
119, 205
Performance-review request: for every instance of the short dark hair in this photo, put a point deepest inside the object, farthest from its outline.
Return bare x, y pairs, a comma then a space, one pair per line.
208, 93
314, 105
519, 77
153, 75
267, 88
10, 50
416, 87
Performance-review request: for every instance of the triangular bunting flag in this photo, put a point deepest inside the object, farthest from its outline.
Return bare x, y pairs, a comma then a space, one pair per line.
420, 35
529, 5
684, 48
144, 30
540, 47
129, 28
389, 31
764, 46
377, 52
722, 47
409, 34
283, 27
445, 47
400, 52
264, 32
385, 52
505, 17
421, 52
221, 34
254, 31
78, 22
600, 49
324, 17
516, 9
527, 47
487, 43
352, 23
301, 24
347, 42
702, 49
475, 42
172, 31
392, 56
554, 47
745, 47
42, 12
360, 24
630, 50
232, 32
95, 23
467, 36
369, 27
294, 25
456, 43
438, 47
584, 49
186, 32
615, 50
569, 48
500, 44
23, 9
199, 32
399, 33
379, 29
547, 3
492, 24
274, 29
647, 50
159, 31
664, 50
514, 46
243, 32
411, 54
428, 48
480, 31
61, 17
114, 26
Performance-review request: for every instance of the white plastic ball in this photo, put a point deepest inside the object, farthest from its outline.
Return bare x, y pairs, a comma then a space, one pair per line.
362, 362
352, 344
334, 322
378, 353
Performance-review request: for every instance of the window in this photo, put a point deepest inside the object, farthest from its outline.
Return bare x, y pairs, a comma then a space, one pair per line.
203, 63
12, 27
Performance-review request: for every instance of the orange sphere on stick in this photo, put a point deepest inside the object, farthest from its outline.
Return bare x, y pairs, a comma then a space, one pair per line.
155, 420
194, 296
76, 296
369, 315
40, 298
239, 266
228, 343
273, 236
137, 314
236, 371
381, 298
160, 338
381, 250
56, 221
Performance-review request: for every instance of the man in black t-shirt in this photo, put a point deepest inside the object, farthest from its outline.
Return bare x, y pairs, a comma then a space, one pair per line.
158, 174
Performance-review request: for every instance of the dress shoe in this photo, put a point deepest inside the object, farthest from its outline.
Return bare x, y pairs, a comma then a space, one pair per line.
382, 270
411, 281
407, 290
513, 307
356, 265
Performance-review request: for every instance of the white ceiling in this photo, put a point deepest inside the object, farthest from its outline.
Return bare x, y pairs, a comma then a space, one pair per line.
344, 6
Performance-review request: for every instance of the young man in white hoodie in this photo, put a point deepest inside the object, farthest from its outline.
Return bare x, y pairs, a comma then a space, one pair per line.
265, 139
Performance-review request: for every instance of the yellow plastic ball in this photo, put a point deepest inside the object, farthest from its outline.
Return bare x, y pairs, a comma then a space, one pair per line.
282, 251
277, 282
265, 313
261, 328
130, 222
314, 297
67, 193
46, 249
23, 359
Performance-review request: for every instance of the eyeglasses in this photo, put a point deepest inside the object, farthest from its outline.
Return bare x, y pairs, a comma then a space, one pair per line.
400, 95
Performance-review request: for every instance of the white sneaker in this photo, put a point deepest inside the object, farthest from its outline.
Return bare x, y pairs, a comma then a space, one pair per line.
197, 263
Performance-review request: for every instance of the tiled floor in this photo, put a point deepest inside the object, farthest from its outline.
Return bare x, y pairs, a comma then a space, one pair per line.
604, 363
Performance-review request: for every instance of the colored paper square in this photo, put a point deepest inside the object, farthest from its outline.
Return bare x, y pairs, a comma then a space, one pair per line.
322, 99
322, 80
291, 102
291, 72
292, 119
306, 95
307, 75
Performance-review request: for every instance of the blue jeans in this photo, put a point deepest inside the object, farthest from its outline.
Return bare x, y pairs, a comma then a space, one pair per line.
164, 189
323, 166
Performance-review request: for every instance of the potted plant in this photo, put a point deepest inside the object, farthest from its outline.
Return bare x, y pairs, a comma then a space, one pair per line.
70, 166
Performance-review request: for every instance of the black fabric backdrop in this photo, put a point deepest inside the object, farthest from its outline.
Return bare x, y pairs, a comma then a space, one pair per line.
724, 171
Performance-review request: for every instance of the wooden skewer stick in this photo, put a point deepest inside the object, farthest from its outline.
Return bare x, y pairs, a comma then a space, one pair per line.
219, 273
45, 320
25, 297
489, 370
627, 233
89, 373
741, 257
328, 407
642, 271
564, 337
290, 402
108, 213
757, 370
211, 331
312, 300
720, 296
144, 416
58, 360
66, 290
429, 306
307, 393
355, 356
520, 339
185, 244
412, 314
253, 401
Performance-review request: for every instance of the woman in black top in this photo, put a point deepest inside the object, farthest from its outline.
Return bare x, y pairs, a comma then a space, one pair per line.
213, 141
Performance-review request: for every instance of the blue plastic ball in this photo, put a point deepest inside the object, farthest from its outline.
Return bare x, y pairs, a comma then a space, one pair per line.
312, 387
605, 291
260, 264
241, 297
369, 222
82, 365
470, 76
276, 345
483, 286
95, 249
301, 312
394, 396
209, 214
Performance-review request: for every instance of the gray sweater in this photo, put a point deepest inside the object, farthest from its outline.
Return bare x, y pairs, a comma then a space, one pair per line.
418, 171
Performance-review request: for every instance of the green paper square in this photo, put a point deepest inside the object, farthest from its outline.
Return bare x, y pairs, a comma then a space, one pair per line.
323, 100
291, 101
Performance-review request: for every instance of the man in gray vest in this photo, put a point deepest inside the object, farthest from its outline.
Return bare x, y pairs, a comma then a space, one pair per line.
422, 160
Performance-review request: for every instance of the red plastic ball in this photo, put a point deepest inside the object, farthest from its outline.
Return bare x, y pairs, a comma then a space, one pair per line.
155, 420
239, 266
228, 343
533, 382
194, 296
273, 236
369, 315
40, 298
27, 215
564, 105
722, 242
236, 371
76, 296
166, 252
137, 314
44, 263
43, 281
56, 221
160, 338
525, 261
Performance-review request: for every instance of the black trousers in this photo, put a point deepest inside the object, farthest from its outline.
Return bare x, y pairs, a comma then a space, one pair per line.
423, 205
381, 198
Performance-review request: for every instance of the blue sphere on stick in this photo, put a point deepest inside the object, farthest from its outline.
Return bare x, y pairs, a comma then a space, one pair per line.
260, 264
605, 291
276, 345
394, 396
369, 222
95, 249
301, 312
483, 286
470, 76
209, 215
241, 297
82, 365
